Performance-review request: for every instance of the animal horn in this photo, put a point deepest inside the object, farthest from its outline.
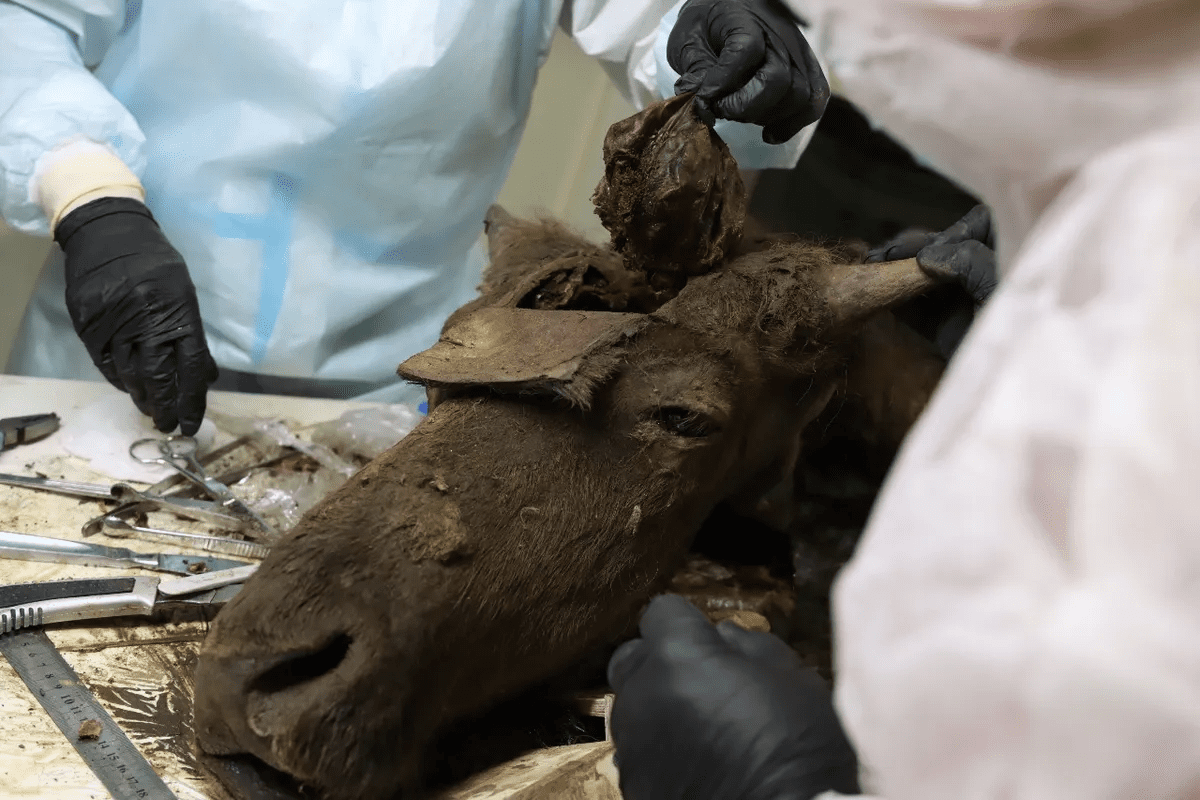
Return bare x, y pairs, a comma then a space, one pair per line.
858, 291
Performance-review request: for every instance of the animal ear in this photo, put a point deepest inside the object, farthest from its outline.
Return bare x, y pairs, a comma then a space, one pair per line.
566, 353
518, 245
544, 264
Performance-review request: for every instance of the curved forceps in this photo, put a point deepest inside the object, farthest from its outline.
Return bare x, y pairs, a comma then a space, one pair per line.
179, 453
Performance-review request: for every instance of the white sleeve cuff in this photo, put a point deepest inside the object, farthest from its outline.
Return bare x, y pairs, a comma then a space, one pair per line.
78, 173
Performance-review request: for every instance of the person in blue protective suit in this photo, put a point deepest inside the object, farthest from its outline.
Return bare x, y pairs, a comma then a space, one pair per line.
294, 192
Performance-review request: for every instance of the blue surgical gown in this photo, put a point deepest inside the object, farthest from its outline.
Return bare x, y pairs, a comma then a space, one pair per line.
322, 165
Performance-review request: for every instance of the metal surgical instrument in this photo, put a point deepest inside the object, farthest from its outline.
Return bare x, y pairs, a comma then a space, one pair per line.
28, 547
179, 453
123, 493
114, 526
35, 604
30, 428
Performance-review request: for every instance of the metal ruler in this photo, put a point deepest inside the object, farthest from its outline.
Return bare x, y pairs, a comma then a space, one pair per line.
105, 748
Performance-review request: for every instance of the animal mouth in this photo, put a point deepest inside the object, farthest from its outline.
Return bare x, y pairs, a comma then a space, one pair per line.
245, 777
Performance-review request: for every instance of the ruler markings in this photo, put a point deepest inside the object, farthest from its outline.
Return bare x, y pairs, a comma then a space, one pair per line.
114, 759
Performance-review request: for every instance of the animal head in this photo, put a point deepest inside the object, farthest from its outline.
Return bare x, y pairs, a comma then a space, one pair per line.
568, 458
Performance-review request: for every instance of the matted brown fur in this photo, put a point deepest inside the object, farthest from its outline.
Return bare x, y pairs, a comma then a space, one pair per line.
529, 517
778, 293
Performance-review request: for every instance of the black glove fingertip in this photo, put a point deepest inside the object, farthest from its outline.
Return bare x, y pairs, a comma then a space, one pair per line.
165, 422
982, 290
193, 404
935, 259
191, 418
624, 662
782, 131
980, 278
672, 616
704, 111
688, 83
979, 222
196, 370
109, 370
166, 417
124, 363
160, 371
905, 244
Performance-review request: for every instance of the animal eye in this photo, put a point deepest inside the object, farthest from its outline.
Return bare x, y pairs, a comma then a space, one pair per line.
684, 422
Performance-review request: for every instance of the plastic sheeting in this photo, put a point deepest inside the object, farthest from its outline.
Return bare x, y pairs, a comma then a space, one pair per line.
1021, 619
102, 432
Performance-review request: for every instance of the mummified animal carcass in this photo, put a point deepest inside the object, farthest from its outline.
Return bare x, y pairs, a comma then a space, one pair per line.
582, 427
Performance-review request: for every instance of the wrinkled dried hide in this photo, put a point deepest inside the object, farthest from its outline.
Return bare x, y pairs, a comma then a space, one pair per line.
671, 196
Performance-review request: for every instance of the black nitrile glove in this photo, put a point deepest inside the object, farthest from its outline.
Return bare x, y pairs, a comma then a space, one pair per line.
721, 713
963, 253
746, 60
134, 306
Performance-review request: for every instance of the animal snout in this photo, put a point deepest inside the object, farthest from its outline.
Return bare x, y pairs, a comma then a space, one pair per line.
248, 703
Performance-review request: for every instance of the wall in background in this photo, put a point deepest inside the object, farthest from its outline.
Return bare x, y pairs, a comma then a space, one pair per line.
555, 171
559, 162
21, 260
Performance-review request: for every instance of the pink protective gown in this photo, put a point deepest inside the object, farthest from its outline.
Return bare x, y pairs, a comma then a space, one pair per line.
1022, 617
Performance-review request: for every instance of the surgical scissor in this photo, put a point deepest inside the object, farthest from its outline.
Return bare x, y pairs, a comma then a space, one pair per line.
179, 453
126, 495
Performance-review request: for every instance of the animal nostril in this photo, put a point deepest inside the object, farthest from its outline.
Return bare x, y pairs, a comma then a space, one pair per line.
303, 668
